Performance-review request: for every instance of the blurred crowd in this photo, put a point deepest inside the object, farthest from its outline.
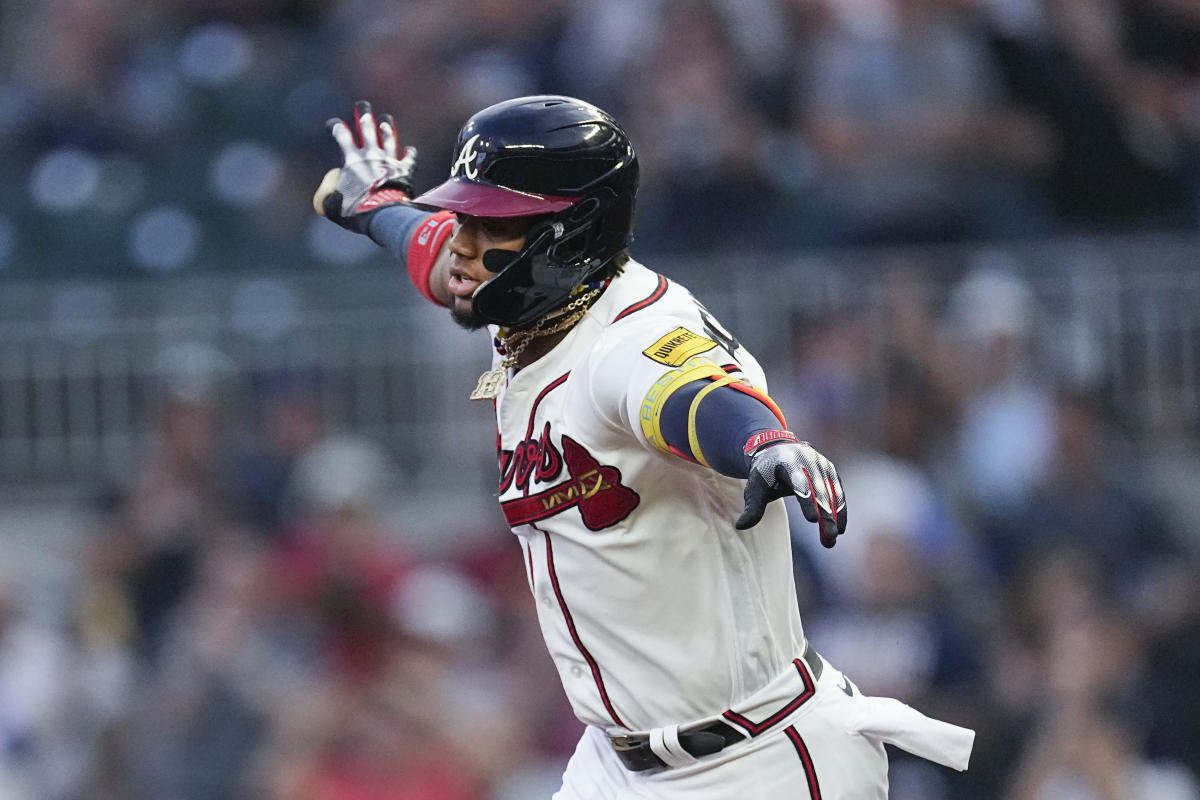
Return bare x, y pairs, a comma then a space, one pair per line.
1019, 563
243, 620
153, 137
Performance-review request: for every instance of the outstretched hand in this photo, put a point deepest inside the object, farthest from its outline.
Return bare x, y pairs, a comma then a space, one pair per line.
785, 466
374, 172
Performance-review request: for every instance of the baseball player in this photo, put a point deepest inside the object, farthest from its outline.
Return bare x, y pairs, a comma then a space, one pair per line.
639, 453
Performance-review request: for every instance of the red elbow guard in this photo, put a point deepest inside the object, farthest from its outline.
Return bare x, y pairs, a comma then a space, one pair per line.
423, 250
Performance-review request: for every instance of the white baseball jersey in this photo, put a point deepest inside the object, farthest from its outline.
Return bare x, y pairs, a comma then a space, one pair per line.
659, 615
655, 610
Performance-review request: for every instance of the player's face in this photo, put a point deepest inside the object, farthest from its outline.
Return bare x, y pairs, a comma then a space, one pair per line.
474, 236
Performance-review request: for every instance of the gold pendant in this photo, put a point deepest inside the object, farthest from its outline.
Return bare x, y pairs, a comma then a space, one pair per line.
488, 387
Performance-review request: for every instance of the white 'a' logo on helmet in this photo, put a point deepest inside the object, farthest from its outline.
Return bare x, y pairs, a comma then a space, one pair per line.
466, 159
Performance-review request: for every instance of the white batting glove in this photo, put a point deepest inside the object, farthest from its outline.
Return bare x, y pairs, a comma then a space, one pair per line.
781, 465
374, 173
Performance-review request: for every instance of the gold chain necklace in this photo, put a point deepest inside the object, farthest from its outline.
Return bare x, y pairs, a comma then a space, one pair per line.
489, 383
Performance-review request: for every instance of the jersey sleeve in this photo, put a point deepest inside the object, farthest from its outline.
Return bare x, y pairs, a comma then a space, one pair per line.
630, 377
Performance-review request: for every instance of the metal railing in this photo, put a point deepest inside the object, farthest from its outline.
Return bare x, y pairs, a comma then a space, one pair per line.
83, 365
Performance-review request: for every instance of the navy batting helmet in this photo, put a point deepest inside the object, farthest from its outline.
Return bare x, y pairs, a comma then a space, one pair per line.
543, 155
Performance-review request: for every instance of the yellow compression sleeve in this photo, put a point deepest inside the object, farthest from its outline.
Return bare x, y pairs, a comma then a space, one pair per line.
694, 369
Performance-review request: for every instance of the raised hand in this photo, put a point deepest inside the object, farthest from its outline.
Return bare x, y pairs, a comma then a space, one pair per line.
375, 173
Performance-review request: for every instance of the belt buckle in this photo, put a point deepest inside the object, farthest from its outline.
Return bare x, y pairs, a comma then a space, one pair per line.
626, 742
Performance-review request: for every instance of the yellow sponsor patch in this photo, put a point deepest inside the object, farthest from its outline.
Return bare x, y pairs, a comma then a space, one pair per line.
678, 346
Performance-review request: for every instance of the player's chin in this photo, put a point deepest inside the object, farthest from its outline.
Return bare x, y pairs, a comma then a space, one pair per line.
464, 315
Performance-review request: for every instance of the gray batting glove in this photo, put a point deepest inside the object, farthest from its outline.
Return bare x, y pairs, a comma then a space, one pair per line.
780, 465
374, 172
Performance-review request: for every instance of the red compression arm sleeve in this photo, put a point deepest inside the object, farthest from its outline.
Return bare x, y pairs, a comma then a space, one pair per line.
423, 250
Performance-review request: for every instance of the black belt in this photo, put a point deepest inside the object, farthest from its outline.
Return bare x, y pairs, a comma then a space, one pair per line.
636, 754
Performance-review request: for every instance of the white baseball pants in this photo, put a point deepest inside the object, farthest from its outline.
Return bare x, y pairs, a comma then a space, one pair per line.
831, 748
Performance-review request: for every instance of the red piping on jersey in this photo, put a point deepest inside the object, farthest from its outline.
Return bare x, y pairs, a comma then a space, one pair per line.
755, 728
810, 771
554, 384
562, 604
654, 297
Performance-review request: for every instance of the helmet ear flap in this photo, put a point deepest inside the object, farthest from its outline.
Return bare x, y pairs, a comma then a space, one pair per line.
583, 225
582, 212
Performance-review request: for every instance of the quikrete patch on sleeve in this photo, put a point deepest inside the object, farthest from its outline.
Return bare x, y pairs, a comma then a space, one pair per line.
678, 346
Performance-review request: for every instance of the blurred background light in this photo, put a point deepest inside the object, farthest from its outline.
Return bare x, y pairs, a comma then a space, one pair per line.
163, 238
65, 179
245, 173
216, 54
